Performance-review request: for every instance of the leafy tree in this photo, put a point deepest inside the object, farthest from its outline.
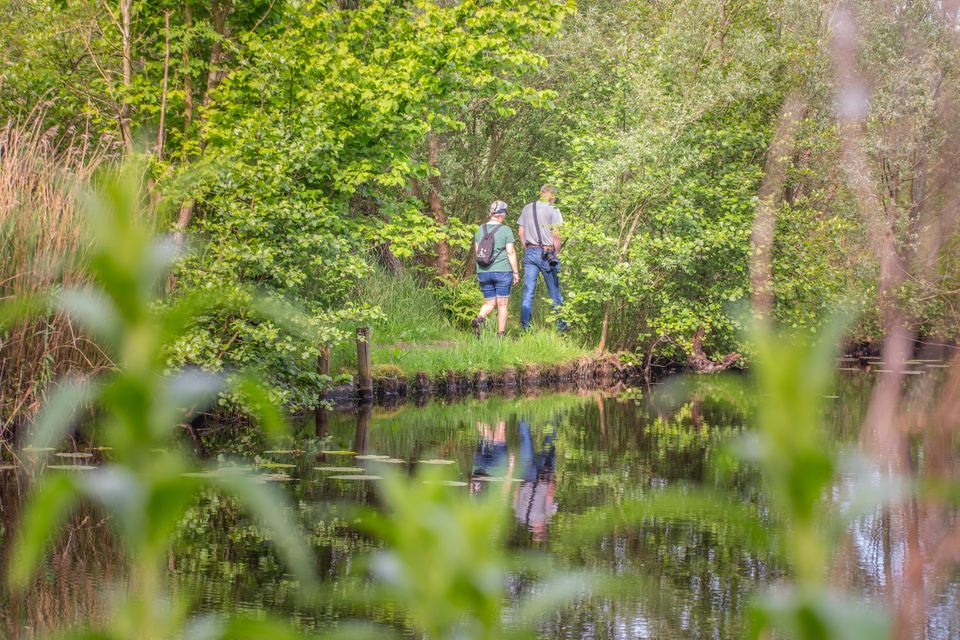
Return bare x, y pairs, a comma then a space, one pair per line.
325, 111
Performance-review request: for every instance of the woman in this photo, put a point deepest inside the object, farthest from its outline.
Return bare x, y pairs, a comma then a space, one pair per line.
500, 273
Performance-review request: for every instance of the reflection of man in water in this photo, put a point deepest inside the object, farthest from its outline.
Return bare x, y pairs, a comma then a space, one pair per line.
491, 458
533, 504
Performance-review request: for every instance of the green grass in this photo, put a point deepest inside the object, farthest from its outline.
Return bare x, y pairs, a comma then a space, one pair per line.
543, 347
417, 335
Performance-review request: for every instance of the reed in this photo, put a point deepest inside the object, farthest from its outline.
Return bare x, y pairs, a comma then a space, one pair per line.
42, 172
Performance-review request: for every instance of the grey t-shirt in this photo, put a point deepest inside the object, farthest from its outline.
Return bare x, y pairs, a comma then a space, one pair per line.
549, 218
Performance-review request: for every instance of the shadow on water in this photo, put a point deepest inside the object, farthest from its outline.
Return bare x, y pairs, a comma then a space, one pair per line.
555, 457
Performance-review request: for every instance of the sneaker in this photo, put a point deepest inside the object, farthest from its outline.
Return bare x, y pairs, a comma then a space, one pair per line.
477, 324
501, 334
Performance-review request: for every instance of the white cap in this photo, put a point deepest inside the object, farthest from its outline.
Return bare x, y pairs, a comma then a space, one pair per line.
498, 207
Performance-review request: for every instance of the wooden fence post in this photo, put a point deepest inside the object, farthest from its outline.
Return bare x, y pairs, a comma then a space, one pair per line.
364, 368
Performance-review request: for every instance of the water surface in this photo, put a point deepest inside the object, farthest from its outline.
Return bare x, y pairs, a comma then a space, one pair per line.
569, 453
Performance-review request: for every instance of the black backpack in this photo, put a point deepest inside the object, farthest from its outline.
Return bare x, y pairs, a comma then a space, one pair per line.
486, 253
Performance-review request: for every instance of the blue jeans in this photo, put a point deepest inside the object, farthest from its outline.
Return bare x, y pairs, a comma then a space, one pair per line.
533, 266
533, 464
495, 284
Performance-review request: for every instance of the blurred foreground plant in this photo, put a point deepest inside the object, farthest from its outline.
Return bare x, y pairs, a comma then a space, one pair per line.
446, 567
148, 485
792, 377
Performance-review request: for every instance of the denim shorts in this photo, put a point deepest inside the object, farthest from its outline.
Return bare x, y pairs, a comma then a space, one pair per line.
495, 284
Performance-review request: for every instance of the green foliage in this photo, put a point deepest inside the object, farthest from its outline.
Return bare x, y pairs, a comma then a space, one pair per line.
148, 486
443, 549
314, 136
460, 300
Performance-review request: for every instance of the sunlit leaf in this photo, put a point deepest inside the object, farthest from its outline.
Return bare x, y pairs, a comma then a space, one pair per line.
59, 413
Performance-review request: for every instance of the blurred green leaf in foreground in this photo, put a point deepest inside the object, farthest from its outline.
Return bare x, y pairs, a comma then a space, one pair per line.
147, 485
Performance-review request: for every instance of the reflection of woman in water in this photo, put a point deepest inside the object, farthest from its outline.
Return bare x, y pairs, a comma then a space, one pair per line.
533, 504
490, 458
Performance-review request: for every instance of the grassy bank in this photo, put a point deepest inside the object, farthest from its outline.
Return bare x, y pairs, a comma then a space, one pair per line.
417, 334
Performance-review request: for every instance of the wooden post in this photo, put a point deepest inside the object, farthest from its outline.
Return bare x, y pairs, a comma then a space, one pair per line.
323, 360
364, 368
323, 368
364, 414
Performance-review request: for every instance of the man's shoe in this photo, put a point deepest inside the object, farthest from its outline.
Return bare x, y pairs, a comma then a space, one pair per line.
477, 324
501, 334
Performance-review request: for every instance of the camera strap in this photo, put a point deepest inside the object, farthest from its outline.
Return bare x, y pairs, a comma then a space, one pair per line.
536, 223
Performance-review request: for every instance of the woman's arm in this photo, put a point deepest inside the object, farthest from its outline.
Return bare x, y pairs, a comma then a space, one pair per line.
512, 257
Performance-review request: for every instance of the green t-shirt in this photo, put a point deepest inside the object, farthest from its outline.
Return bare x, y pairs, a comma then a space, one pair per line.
501, 240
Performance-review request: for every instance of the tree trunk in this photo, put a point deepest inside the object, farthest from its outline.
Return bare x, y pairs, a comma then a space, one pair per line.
126, 52
436, 204
604, 328
769, 199
161, 128
220, 9
187, 78
881, 433
700, 362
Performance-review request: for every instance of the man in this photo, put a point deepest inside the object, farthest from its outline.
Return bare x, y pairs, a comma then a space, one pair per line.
533, 503
541, 241
498, 277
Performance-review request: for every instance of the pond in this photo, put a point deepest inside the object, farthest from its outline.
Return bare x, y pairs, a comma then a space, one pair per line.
568, 452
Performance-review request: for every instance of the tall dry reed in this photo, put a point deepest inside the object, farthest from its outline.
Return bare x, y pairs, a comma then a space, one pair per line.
41, 248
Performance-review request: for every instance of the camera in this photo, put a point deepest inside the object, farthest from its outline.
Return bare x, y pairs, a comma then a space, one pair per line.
550, 257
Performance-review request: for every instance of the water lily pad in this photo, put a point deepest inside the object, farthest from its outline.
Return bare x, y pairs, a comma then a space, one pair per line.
72, 467
390, 460
914, 373
340, 469
275, 477
32, 449
937, 366
436, 461
355, 477
276, 465
339, 453
372, 457
284, 452
75, 455
495, 479
453, 483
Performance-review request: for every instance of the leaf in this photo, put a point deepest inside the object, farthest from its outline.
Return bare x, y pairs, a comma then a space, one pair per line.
553, 595
43, 514
166, 505
21, 308
271, 507
194, 389
59, 413
94, 311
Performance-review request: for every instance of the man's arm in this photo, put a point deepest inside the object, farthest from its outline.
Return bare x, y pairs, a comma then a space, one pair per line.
523, 238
